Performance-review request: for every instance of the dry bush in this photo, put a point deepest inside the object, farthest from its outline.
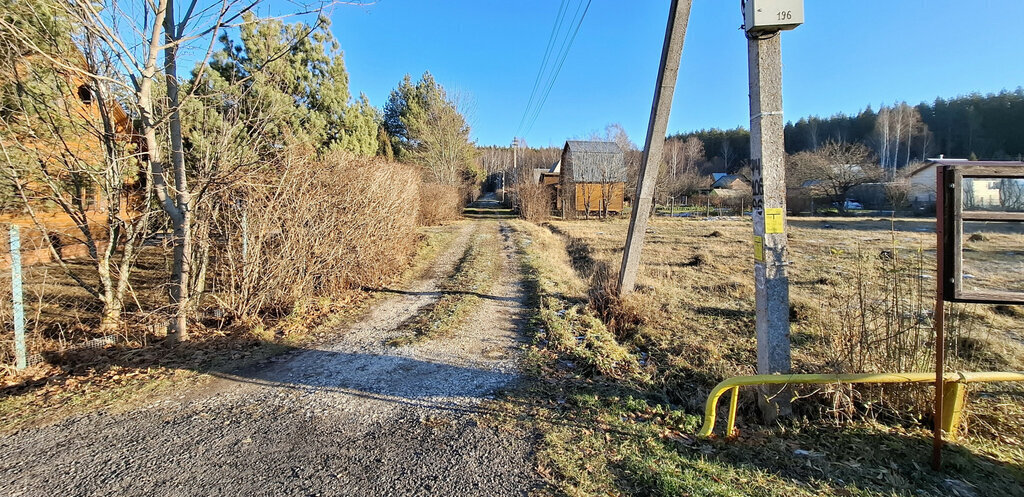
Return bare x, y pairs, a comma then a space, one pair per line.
878, 318
534, 201
439, 203
322, 228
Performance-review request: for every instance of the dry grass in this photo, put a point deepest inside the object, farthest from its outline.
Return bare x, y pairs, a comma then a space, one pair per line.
857, 291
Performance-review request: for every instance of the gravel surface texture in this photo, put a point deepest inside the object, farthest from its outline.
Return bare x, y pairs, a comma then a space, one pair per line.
356, 417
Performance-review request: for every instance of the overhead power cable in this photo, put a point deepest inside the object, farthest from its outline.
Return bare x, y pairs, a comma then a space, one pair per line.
561, 61
546, 83
544, 62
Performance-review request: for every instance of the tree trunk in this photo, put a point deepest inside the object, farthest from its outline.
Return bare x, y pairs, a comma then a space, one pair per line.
179, 208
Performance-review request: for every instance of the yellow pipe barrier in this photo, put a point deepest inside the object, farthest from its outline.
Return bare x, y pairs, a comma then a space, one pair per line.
953, 388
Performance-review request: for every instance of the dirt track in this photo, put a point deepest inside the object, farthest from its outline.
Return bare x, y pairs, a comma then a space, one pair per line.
357, 417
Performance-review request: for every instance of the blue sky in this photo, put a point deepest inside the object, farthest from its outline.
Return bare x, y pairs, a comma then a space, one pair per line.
848, 54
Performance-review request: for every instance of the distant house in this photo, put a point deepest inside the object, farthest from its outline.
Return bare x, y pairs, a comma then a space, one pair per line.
729, 182
730, 190
592, 179
977, 193
72, 134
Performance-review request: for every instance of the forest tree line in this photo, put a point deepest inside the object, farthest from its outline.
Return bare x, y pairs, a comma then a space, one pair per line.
972, 126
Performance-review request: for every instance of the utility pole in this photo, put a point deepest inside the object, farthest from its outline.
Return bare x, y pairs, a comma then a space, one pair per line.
762, 23
515, 145
671, 52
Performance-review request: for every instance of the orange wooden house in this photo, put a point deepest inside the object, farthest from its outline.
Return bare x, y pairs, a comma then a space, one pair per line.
592, 179
72, 139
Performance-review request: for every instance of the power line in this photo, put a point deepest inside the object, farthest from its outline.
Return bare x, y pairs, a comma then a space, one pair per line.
544, 62
534, 108
567, 46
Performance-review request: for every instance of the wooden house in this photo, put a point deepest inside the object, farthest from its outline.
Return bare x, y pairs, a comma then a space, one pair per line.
592, 179
69, 140
977, 193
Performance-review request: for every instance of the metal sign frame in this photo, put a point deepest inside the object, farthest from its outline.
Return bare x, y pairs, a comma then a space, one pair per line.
949, 227
952, 215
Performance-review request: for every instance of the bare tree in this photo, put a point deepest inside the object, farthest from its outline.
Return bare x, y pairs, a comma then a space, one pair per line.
66, 142
834, 170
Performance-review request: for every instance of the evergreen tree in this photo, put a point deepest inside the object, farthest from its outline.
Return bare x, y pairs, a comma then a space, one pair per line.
427, 127
295, 75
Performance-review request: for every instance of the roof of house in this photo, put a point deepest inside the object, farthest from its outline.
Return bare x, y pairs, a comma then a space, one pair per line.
596, 161
964, 162
726, 181
556, 168
725, 192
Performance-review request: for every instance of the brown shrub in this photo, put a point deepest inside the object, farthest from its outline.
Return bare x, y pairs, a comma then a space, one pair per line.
318, 230
439, 203
534, 201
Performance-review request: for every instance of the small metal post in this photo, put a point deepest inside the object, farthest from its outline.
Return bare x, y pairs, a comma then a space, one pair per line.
734, 399
940, 314
20, 354
245, 239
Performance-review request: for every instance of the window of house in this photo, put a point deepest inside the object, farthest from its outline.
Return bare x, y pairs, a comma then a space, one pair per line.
85, 94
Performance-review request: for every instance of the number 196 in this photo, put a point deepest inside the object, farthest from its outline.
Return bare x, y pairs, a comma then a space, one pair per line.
785, 15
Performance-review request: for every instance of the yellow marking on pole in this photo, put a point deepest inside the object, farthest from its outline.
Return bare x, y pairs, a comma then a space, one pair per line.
759, 248
773, 221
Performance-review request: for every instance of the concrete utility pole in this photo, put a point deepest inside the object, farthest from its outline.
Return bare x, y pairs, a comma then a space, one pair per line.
671, 52
515, 145
767, 159
763, 23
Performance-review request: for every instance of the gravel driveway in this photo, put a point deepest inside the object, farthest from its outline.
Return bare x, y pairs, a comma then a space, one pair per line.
356, 417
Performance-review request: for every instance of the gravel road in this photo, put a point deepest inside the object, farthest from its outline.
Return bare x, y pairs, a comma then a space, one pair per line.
356, 417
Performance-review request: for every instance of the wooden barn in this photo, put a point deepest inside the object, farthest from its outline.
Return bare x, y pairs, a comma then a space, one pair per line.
592, 180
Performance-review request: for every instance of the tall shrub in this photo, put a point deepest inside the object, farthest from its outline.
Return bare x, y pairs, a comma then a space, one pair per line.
322, 228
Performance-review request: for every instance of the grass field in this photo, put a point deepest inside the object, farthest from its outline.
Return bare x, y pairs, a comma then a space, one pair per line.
621, 383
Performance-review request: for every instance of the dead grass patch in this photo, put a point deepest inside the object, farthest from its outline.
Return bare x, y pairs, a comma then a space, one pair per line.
860, 297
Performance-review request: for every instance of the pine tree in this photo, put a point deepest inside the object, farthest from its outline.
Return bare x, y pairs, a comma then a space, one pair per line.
295, 75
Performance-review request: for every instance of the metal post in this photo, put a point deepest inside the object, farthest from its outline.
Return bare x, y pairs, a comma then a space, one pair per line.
671, 52
767, 158
20, 353
245, 239
939, 317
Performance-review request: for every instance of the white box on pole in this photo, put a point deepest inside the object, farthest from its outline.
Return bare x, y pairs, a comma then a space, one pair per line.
766, 16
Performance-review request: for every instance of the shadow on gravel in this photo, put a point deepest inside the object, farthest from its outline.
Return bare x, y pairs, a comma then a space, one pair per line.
283, 366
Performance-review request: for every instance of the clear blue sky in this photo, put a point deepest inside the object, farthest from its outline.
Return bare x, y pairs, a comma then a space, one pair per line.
850, 53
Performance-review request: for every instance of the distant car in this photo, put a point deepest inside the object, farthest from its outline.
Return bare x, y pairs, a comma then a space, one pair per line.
849, 205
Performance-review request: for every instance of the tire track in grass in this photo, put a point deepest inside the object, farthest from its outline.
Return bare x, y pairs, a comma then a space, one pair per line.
474, 275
